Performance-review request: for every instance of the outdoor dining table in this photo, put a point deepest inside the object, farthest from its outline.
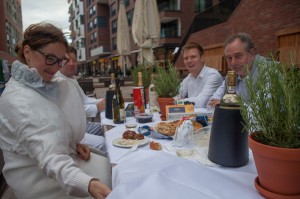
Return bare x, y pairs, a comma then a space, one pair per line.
148, 174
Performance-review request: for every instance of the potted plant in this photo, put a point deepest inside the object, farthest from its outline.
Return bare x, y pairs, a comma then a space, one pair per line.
272, 114
167, 84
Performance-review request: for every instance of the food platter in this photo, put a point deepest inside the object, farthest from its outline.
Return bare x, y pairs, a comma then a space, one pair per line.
166, 128
127, 143
169, 128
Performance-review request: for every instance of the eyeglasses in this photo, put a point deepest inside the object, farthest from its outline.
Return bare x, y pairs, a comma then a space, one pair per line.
51, 59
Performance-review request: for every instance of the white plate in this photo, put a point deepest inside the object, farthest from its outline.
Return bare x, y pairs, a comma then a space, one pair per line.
130, 125
127, 143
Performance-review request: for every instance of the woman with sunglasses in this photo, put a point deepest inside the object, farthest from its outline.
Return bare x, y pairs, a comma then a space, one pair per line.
40, 132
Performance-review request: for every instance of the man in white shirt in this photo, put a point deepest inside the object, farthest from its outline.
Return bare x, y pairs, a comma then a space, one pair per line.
202, 81
94, 135
239, 53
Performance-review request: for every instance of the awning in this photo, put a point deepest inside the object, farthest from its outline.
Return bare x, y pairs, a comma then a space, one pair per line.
135, 51
115, 58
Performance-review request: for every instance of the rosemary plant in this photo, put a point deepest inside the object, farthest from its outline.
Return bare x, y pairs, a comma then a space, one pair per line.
273, 108
167, 81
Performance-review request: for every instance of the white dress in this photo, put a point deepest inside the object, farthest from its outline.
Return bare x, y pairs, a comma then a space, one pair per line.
40, 126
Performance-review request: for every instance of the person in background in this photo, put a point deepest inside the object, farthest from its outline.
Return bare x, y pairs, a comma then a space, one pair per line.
240, 54
94, 137
4, 75
42, 122
202, 81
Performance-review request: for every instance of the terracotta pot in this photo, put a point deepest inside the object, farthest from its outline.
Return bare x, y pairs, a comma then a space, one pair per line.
163, 102
278, 170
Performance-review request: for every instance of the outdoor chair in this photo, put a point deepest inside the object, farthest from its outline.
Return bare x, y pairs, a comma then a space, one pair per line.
87, 86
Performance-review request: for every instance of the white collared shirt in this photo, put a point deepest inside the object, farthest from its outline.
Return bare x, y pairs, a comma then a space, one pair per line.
241, 83
201, 88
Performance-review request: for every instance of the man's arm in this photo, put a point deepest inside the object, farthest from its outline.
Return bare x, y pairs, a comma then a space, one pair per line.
212, 83
93, 106
215, 99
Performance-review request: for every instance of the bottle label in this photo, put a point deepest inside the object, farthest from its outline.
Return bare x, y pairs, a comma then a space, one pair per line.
122, 114
231, 89
138, 99
153, 98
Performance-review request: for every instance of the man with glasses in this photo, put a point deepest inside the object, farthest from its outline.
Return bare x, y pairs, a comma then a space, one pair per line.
94, 134
240, 54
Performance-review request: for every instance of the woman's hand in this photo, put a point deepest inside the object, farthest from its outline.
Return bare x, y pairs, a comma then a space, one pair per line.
98, 190
83, 151
101, 105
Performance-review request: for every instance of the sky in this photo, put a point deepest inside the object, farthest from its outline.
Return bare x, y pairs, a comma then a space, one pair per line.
53, 11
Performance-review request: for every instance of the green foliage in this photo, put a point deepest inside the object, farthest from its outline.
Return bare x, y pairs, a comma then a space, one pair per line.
273, 107
146, 75
167, 81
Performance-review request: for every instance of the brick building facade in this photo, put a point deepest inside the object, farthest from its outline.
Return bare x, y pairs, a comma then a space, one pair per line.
11, 26
264, 20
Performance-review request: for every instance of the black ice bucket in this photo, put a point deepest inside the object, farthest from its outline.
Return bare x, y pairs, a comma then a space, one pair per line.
108, 105
228, 145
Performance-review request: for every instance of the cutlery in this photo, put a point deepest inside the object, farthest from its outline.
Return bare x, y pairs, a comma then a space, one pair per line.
133, 148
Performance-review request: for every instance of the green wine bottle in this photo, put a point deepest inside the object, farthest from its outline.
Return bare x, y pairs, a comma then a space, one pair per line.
119, 116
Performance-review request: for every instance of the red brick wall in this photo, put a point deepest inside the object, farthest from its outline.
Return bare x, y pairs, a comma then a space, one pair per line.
262, 19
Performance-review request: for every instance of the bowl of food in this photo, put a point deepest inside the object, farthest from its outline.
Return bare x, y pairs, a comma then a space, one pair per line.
144, 117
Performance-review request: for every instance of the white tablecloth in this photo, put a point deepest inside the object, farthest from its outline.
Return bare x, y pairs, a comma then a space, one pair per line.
156, 174
148, 174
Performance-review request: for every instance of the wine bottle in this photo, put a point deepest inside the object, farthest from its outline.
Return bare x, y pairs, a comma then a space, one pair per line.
119, 116
140, 84
230, 99
152, 94
138, 96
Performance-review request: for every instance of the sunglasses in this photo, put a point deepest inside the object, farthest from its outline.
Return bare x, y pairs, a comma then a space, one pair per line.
51, 59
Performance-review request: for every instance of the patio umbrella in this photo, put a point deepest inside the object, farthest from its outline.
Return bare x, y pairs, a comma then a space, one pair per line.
123, 39
146, 29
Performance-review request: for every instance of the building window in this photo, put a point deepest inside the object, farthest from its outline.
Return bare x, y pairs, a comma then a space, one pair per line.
88, 3
7, 39
95, 36
81, 19
169, 30
129, 17
91, 12
127, 2
114, 43
95, 22
102, 21
172, 5
112, 11
92, 38
76, 24
90, 26
114, 26
82, 43
94, 9
201, 5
